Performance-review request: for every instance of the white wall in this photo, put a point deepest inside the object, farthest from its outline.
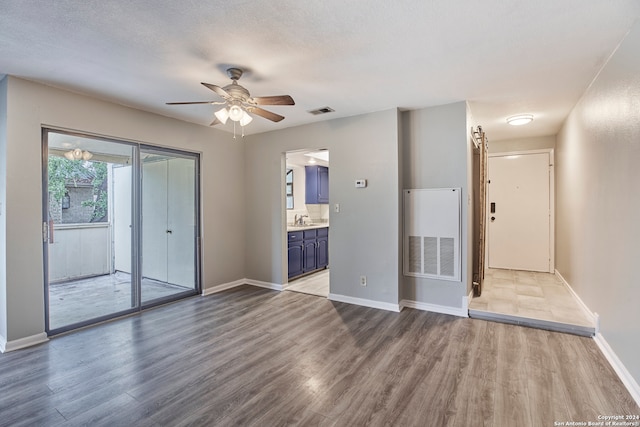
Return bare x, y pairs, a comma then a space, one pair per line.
522, 144
598, 200
437, 154
31, 106
364, 236
299, 182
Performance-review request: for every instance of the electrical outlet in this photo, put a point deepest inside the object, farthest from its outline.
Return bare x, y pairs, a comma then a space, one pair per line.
336, 208
363, 280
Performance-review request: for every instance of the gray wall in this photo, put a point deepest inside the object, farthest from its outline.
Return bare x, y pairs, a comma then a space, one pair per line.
364, 236
3, 203
598, 200
436, 154
32, 105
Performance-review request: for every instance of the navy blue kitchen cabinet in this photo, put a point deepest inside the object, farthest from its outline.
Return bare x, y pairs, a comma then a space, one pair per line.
310, 245
308, 251
317, 185
322, 255
295, 253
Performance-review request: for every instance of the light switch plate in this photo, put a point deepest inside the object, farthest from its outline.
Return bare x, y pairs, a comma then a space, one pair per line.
361, 183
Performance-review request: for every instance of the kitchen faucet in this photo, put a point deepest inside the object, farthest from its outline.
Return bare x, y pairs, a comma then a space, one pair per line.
299, 221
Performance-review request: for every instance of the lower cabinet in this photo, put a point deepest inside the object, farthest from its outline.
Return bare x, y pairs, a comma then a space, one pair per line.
322, 249
295, 253
308, 250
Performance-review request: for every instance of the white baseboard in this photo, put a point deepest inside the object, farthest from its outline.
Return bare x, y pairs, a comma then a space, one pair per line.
443, 309
365, 302
590, 315
6, 346
627, 379
630, 383
223, 287
268, 285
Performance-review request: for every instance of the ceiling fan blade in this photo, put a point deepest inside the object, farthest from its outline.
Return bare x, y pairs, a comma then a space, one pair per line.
266, 114
215, 122
217, 89
185, 103
274, 100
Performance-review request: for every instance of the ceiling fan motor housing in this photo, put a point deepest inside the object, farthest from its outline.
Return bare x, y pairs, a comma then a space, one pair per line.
237, 92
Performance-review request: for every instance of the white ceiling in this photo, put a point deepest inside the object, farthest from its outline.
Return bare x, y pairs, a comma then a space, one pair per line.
504, 57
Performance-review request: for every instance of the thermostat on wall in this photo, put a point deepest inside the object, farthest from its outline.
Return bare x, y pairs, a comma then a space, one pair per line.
361, 183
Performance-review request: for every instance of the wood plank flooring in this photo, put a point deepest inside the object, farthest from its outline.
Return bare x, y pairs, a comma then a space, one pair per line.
251, 356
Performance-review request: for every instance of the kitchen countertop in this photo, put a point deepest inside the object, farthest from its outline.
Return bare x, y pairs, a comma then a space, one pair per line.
307, 226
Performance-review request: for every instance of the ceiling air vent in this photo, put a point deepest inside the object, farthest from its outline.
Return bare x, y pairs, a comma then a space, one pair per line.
323, 110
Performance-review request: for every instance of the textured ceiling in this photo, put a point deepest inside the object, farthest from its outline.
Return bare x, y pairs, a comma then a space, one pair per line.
504, 57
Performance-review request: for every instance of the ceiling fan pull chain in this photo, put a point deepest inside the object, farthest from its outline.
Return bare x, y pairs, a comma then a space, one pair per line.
234, 130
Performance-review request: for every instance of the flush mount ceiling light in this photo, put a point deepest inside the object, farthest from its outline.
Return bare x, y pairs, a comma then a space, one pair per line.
78, 154
520, 119
238, 103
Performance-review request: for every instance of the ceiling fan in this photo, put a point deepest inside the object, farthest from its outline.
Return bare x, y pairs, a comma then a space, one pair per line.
238, 102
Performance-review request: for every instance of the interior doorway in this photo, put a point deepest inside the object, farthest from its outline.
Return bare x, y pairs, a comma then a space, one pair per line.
120, 228
306, 213
519, 284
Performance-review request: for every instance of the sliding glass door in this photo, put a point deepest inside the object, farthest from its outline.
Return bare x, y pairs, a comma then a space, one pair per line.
120, 228
169, 219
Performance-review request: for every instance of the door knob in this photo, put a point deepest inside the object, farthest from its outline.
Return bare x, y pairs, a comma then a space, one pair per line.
493, 218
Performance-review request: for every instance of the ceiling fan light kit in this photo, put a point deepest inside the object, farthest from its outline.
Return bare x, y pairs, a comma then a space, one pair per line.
238, 102
78, 154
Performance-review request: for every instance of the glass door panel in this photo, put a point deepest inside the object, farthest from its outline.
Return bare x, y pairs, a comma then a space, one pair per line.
169, 225
88, 214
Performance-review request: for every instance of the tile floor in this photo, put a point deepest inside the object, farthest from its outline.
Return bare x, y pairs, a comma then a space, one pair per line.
530, 298
313, 284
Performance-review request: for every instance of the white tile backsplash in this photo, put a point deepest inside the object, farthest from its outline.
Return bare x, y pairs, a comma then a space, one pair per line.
318, 213
315, 214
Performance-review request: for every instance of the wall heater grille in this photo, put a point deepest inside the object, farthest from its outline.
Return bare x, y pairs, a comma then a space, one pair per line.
432, 233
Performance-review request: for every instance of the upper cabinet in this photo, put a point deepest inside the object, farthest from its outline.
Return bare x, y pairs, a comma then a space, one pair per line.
317, 185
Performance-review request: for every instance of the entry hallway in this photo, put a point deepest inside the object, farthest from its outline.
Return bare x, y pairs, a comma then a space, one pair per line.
251, 356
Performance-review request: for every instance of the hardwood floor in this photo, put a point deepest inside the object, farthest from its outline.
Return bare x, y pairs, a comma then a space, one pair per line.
251, 356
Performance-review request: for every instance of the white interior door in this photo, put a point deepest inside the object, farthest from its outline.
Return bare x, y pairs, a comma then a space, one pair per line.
169, 219
519, 212
154, 220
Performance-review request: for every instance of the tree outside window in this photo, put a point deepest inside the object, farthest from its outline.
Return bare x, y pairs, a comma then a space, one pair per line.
78, 191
